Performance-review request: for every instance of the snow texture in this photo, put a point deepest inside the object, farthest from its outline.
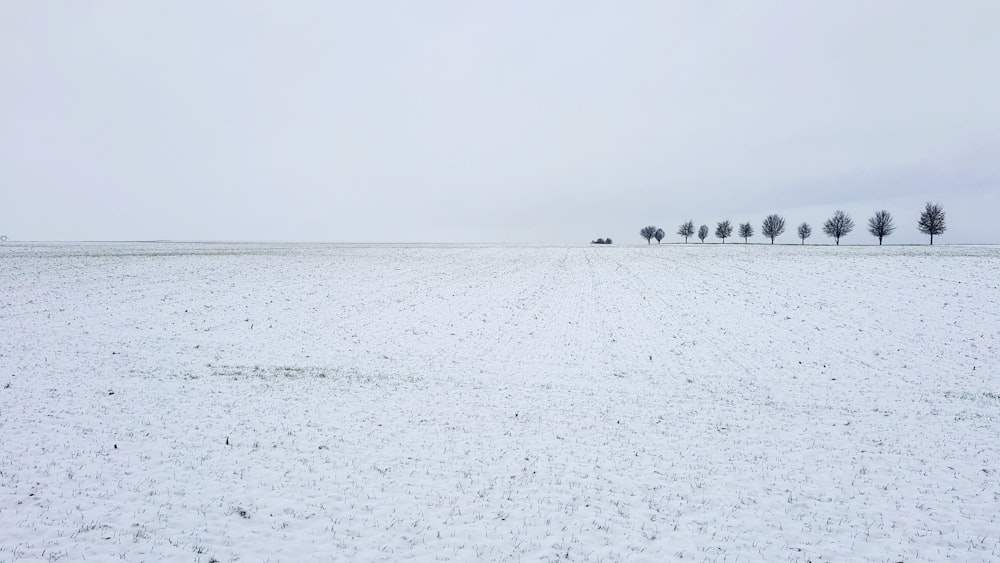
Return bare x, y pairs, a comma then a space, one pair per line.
240, 402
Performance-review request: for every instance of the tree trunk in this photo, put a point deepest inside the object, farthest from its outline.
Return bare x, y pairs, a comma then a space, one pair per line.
932, 239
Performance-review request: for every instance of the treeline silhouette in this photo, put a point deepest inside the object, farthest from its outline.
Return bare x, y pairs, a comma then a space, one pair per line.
880, 225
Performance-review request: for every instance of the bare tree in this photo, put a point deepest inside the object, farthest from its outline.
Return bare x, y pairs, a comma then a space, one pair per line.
686, 230
703, 232
805, 231
880, 225
724, 230
746, 231
838, 225
648, 233
773, 226
658, 235
931, 220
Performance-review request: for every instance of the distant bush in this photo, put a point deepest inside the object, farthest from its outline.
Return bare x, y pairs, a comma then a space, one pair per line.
601, 241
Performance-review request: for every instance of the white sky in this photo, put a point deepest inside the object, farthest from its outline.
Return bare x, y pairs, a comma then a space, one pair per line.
493, 122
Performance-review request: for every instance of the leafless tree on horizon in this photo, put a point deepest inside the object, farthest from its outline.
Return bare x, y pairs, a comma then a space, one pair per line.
838, 225
880, 225
932, 220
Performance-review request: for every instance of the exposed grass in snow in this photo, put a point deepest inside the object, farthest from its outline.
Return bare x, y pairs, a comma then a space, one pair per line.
353, 402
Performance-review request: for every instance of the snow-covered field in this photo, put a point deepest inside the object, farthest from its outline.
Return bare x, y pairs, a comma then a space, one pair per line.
199, 402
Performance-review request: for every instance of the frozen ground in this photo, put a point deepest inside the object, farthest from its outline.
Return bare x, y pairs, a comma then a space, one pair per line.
194, 402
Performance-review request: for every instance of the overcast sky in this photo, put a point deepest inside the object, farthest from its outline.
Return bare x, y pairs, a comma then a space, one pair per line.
533, 121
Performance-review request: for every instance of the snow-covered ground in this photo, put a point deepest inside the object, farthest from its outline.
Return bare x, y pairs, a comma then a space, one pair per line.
199, 402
